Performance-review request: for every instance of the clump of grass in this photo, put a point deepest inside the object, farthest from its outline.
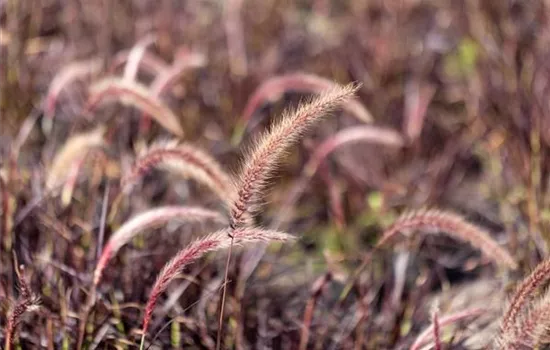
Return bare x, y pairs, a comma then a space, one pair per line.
249, 188
182, 159
503, 67
454, 225
267, 153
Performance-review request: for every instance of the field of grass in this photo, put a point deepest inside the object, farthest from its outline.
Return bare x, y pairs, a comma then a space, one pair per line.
274, 174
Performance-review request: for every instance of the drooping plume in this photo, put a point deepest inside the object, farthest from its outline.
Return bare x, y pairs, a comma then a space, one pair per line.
185, 160
454, 225
146, 221
136, 95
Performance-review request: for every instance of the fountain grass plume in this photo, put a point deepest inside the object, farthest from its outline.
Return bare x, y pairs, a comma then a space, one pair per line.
185, 160
146, 221
454, 225
267, 152
212, 242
